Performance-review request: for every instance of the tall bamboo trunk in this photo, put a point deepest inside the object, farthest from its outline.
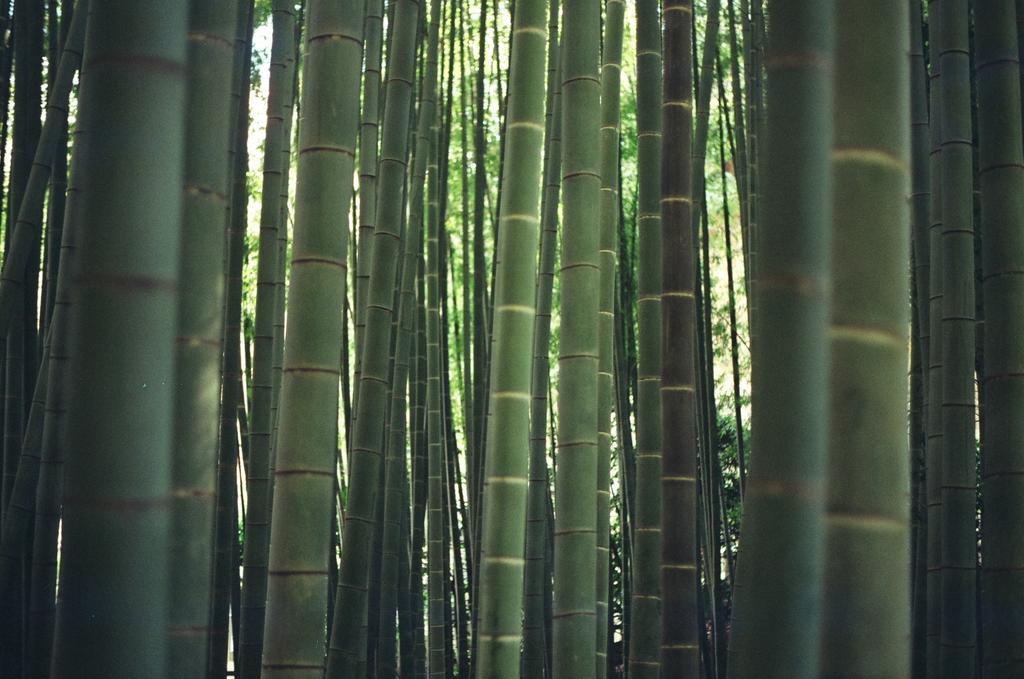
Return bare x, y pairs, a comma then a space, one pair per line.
508, 449
680, 650
777, 609
438, 650
113, 608
258, 486
644, 640
957, 637
576, 461
1002, 223
200, 328
866, 613
305, 462
935, 376
369, 135
608, 213
921, 250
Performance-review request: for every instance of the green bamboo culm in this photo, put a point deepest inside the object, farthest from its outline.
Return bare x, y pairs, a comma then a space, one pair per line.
289, 138
437, 564
113, 609
934, 379
200, 314
608, 215
536, 586
777, 607
418, 458
957, 637
680, 649
920, 179
507, 459
866, 623
347, 650
304, 470
575, 574
1001, 180
258, 488
920, 198
437, 651
645, 631
369, 135
739, 125
753, 59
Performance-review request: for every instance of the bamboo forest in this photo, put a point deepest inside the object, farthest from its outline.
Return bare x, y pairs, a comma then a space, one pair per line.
499, 339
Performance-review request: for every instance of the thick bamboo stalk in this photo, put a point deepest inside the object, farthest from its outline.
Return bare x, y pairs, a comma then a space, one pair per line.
507, 458
304, 470
608, 213
535, 586
934, 379
921, 249
369, 135
200, 320
680, 650
438, 652
777, 605
258, 486
113, 607
957, 636
1001, 179
644, 641
866, 614
576, 461
419, 463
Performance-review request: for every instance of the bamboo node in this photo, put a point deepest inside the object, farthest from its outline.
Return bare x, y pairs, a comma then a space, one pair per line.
867, 335
871, 156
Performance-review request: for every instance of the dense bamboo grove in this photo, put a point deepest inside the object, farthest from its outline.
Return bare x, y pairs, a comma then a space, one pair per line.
469, 338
